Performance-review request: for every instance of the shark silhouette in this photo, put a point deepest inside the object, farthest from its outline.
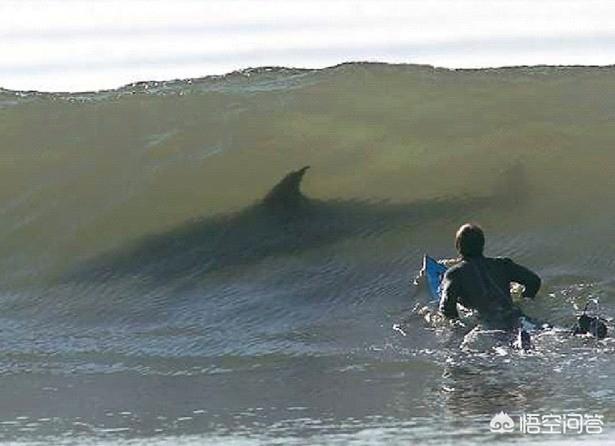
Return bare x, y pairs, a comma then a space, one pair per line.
284, 222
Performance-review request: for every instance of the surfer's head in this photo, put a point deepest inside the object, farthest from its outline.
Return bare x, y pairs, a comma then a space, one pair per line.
470, 240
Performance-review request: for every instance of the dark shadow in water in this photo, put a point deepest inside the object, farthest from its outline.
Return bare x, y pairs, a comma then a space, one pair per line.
284, 222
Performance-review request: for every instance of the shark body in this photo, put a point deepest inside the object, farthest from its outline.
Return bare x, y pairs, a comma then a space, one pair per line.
284, 222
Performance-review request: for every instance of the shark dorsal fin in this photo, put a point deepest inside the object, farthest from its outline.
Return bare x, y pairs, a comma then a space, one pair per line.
287, 193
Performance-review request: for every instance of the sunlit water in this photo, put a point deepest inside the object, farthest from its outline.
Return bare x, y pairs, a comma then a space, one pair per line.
150, 296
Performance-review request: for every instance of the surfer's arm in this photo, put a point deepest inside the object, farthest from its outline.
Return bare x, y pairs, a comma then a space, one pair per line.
524, 276
449, 296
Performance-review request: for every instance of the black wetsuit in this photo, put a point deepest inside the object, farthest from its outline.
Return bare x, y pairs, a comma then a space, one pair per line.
483, 284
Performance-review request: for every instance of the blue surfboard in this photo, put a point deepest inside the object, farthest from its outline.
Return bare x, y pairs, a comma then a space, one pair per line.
434, 273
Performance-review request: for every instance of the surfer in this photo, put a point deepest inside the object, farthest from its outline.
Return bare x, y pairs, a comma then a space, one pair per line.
483, 284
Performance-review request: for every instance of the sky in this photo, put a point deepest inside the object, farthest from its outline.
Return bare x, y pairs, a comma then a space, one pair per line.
68, 45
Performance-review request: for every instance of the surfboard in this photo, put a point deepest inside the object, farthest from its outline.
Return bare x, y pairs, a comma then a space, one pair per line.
434, 273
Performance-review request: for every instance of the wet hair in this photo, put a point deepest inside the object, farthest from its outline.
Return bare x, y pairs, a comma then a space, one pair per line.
470, 240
